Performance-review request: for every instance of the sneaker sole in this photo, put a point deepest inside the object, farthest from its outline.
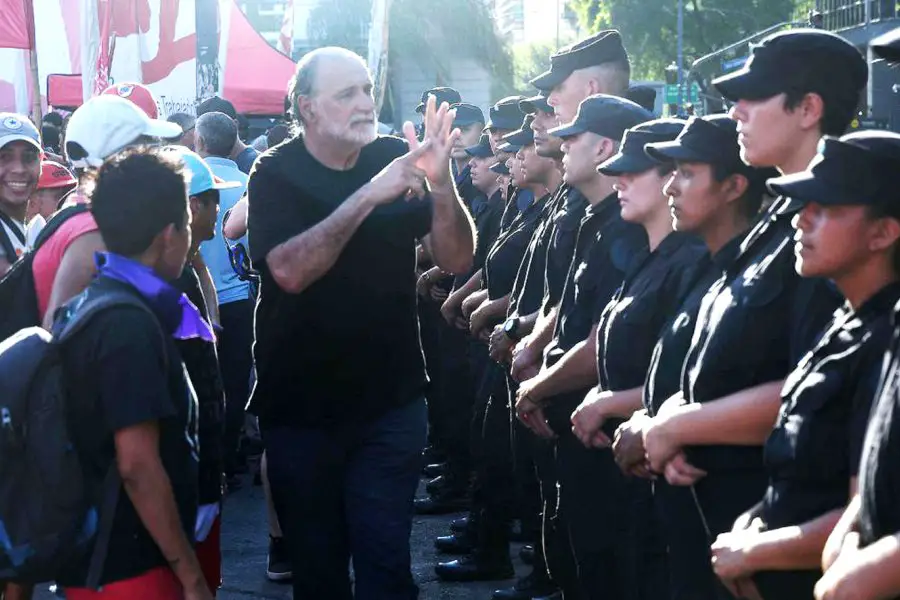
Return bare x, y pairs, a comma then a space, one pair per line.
278, 576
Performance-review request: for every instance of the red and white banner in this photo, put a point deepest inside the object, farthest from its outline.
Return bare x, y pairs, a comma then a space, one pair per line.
152, 42
15, 24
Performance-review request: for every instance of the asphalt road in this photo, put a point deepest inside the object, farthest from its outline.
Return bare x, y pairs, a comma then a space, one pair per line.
245, 544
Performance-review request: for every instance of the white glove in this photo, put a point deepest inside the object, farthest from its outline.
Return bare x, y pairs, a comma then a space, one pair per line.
206, 516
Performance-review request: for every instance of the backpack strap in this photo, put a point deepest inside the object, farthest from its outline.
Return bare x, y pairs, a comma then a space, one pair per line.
56, 221
112, 481
6, 244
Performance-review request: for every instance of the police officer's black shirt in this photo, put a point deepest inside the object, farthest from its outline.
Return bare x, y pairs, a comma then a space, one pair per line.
561, 248
879, 477
505, 257
347, 347
122, 372
816, 444
667, 361
649, 297
754, 325
528, 289
605, 249
487, 226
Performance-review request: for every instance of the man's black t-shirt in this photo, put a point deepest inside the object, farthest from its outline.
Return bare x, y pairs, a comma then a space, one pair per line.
120, 374
346, 349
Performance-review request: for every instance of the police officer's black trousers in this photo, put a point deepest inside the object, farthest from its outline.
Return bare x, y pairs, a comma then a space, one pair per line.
457, 398
528, 489
494, 491
429, 323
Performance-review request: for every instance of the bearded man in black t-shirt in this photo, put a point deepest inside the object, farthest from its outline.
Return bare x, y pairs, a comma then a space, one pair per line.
335, 215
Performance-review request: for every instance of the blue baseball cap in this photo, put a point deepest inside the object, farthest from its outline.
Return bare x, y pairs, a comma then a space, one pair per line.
202, 179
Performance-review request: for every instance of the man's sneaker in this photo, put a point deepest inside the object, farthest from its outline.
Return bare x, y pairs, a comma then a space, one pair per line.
279, 568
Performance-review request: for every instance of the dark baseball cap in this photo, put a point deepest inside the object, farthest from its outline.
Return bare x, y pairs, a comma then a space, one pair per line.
506, 114
711, 139
500, 168
631, 157
217, 104
643, 95
441, 94
822, 59
482, 149
602, 47
608, 116
521, 137
535, 104
467, 114
887, 46
860, 168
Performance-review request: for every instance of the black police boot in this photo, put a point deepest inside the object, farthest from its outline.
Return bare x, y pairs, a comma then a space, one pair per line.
445, 503
526, 554
437, 485
476, 567
459, 525
526, 588
433, 470
459, 543
432, 455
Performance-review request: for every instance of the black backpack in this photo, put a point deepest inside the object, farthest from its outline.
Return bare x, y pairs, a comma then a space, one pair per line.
51, 511
18, 298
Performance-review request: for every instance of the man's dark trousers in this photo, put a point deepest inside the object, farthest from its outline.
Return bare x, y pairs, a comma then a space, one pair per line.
236, 362
348, 492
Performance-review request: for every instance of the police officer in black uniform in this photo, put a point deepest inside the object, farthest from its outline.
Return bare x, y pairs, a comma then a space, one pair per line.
796, 86
605, 248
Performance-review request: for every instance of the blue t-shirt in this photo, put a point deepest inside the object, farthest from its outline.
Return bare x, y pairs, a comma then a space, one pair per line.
229, 288
246, 158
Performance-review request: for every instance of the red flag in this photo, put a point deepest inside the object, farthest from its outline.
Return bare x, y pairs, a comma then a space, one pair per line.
16, 24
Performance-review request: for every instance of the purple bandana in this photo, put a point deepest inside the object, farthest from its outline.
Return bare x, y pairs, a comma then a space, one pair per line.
176, 312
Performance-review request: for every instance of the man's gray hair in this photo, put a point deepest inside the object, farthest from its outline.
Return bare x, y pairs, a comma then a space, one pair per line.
304, 79
218, 133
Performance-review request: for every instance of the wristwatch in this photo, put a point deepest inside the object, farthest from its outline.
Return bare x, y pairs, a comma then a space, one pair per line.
511, 328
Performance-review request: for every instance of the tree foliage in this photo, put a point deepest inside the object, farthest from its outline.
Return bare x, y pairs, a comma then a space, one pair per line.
649, 27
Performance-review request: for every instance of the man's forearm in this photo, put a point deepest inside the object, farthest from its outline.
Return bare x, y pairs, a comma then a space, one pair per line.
793, 548
576, 370
302, 260
452, 236
236, 225
208, 288
745, 418
150, 491
542, 333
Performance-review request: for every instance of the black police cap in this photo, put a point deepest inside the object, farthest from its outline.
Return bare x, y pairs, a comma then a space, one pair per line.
482, 149
523, 136
712, 139
500, 168
631, 157
467, 114
506, 114
603, 47
824, 59
887, 46
441, 95
535, 104
217, 104
861, 168
608, 116
643, 95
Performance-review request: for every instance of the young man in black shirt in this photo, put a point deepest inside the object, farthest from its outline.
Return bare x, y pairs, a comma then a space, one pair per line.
335, 215
20, 168
132, 405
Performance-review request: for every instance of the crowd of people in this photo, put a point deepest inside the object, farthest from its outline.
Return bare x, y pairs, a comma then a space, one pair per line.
662, 352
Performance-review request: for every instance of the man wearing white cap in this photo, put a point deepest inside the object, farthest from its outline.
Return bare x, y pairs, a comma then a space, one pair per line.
101, 127
20, 168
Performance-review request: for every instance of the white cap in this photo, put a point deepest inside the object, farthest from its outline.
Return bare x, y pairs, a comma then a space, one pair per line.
106, 124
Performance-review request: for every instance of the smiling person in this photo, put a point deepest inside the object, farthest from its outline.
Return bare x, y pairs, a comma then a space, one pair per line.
847, 231
20, 168
335, 216
797, 86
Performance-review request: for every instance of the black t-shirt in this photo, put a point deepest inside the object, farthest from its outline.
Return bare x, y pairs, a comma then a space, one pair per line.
528, 288
505, 258
346, 349
650, 296
561, 246
202, 365
667, 362
122, 372
754, 325
879, 477
487, 226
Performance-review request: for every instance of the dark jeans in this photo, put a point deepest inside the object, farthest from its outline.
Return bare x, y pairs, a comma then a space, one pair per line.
348, 492
236, 362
